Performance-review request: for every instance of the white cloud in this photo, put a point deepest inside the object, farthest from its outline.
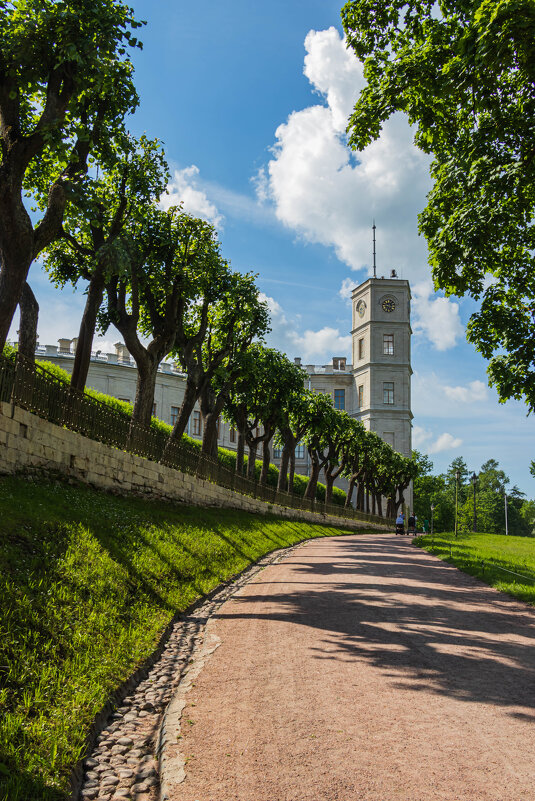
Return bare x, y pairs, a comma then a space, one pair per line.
323, 193
437, 318
322, 344
422, 439
475, 392
312, 346
184, 188
445, 442
345, 291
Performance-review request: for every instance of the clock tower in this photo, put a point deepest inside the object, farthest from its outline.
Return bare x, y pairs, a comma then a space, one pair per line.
382, 371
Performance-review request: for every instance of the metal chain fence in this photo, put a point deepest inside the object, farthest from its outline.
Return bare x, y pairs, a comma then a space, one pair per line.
30, 386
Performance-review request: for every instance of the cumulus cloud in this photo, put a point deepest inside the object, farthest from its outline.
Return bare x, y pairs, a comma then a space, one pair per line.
437, 318
345, 291
422, 439
184, 188
327, 196
312, 346
475, 392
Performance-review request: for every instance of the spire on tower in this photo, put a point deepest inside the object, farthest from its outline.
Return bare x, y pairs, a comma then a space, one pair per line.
374, 266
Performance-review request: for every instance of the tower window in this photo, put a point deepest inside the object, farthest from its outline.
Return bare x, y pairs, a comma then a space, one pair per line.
339, 399
388, 344
361, 348
361, 396
388, 392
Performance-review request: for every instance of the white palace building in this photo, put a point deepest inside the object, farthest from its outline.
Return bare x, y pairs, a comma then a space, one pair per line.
375, 388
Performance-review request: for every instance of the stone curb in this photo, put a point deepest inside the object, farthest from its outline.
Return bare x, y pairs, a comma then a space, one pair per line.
121, 743
172, 763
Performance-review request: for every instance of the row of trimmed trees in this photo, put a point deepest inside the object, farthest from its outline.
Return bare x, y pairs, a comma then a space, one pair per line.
156, 274
268, 403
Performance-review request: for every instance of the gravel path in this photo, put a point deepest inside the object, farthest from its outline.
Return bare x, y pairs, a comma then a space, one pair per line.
124, 764
358, 668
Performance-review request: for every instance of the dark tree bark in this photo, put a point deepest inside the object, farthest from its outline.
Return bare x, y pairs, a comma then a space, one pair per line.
291, 471
251, 460
82, 356
283, 484
317, 465
266, 460
350, 489
29, 316
240, 453
147, 373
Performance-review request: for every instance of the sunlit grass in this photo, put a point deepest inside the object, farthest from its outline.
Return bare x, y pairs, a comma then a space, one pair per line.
489, 556
88, 582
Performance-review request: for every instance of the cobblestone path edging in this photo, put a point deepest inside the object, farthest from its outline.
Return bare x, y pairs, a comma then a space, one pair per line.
130, 757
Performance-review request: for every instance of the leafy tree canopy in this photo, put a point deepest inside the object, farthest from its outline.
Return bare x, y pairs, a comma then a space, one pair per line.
464, 75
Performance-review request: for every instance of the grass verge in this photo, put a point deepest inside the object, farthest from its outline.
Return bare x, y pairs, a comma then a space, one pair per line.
88, 581
488, 557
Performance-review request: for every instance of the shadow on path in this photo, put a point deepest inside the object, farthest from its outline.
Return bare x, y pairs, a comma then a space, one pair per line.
425, 624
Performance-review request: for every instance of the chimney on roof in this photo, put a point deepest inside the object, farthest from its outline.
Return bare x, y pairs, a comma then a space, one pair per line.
339, 362
297, 360
393, 274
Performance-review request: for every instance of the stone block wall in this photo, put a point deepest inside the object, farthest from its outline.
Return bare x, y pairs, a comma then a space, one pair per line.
28, 443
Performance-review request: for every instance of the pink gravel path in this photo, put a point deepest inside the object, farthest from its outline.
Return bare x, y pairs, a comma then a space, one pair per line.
363, 669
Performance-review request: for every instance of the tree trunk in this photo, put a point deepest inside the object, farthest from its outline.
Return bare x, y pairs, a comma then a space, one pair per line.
282, 483
209, 439
16, 256
373, 502
266, 460
147, 371
350, 489
329, 481
310, 491
291, 471
29, 315
191, 396
379, 504
82, 356
240, 453
251, 464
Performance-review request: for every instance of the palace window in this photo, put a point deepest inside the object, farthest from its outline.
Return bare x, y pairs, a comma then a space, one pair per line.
277, 452
388, 344
174, 414
232, 434
300, 451
154, 410
196, 424
339, 399
388, 392
361, 396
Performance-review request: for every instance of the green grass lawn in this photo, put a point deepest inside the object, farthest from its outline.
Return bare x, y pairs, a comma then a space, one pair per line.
88, 581
469, 551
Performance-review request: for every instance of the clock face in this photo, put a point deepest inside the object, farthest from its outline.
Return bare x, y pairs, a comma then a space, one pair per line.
388, 305
361, 308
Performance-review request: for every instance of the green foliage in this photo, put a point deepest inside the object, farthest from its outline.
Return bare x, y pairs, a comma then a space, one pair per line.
88, 581
469, 550
491, 486
464, 75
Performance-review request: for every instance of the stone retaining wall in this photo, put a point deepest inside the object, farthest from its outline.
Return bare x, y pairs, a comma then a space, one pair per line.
28, 443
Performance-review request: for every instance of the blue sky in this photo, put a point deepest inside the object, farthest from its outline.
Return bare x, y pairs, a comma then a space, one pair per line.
251, 101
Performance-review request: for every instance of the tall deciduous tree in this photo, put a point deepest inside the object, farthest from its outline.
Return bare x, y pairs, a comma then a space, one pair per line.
90, 246
464, 75
234, 321
153, 293
258, 398
292, 428
65, 87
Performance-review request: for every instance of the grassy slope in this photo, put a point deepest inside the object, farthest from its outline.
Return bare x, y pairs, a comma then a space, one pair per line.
87, 583
469, 550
